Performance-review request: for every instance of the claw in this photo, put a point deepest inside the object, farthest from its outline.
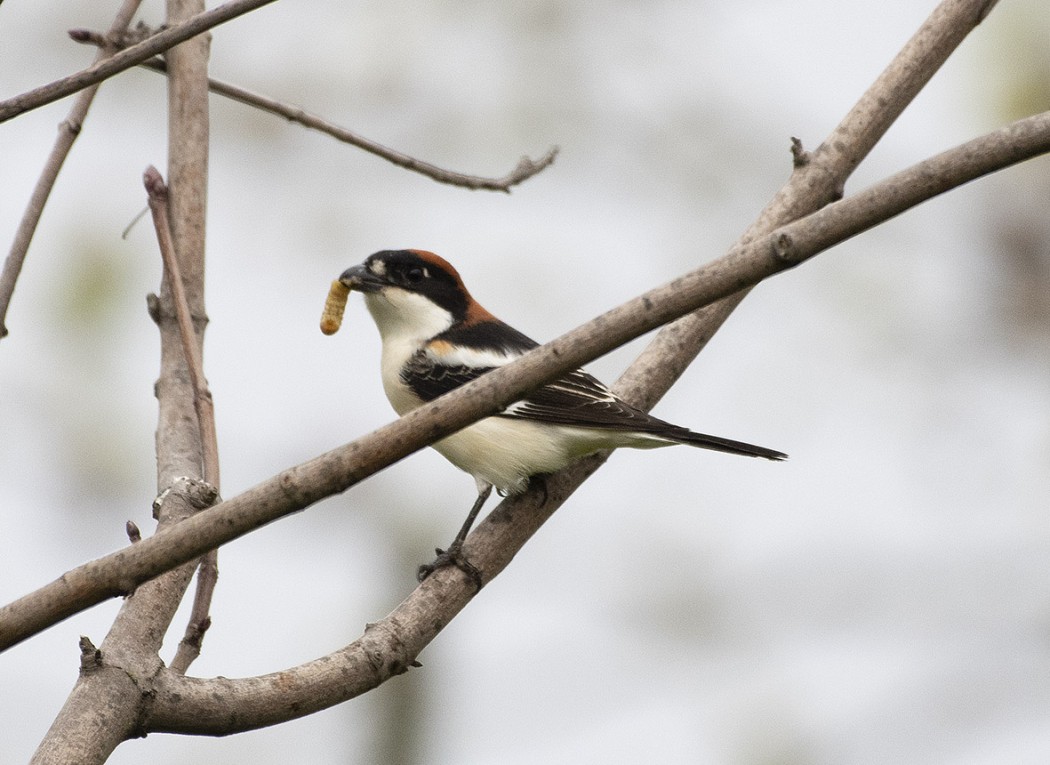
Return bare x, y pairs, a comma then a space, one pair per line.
453, 556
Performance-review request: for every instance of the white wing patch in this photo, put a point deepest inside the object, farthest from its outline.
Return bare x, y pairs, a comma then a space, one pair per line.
447, 354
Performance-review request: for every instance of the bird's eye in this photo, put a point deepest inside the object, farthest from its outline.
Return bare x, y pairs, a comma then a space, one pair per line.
415, 274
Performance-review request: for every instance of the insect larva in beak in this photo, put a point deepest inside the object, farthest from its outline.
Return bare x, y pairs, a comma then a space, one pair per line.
332, 315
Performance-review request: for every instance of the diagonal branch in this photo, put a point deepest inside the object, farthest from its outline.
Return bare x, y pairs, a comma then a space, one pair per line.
818, 178
525, 169
68, 130
294, 489
389, 647
127, 58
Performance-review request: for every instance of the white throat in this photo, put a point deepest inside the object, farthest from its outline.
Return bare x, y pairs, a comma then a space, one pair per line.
406, 320
402, 315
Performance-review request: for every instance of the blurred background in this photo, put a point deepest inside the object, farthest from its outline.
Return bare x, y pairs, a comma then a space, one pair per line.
884, 596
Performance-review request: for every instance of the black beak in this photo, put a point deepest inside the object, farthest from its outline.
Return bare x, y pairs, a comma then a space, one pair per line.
361, 279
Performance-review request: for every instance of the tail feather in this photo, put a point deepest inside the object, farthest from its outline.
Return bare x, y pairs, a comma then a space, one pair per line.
719, 444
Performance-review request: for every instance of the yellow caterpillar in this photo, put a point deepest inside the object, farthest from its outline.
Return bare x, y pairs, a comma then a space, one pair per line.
334, 304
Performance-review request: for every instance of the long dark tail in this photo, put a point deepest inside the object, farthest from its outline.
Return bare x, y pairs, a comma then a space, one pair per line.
727, 445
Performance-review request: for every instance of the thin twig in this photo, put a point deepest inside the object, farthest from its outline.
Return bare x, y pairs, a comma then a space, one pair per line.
127, 58
208, 572
525, 169
202, 400
200, 614
68, 130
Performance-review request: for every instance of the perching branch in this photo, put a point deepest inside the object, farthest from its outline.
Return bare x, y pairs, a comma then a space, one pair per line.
222, 706
127, 58
68, 130
818, 178
525, 169
292, 490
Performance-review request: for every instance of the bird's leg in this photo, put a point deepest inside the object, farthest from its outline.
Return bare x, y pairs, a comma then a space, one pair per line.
454, 554
484, 490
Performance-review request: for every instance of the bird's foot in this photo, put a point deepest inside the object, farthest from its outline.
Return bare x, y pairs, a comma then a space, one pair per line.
453, 556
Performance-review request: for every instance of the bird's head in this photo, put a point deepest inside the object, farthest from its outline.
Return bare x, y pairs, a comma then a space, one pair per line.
412, 293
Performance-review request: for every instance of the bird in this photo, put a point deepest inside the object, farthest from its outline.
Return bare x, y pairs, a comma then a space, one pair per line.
436, 337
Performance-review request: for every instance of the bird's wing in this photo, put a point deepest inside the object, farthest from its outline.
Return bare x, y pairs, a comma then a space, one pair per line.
429, 379
576, 399
582, 400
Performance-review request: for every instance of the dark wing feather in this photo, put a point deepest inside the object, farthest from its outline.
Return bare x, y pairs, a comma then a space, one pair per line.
578, 399
581, 400
429, 380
